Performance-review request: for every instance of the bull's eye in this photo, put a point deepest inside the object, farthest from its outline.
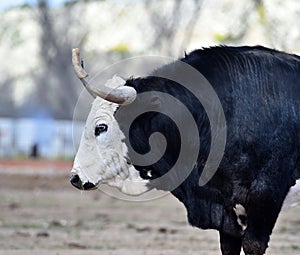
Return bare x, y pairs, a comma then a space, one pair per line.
100, 129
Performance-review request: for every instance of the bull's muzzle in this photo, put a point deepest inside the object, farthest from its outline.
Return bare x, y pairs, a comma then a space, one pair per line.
76, 182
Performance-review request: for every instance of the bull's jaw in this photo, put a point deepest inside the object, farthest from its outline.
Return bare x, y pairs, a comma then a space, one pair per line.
134, 185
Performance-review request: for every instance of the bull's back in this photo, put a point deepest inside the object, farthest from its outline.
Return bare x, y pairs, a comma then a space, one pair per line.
259, 90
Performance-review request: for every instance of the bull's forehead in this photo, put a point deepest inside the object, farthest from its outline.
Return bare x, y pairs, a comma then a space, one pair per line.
101, 111
102, 108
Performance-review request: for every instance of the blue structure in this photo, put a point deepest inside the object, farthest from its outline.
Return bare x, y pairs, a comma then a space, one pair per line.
54, 138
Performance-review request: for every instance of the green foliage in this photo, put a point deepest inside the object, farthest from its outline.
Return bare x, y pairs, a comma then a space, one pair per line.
261, 11
120, 49
25, 6
16, 39
223, 38
3, 31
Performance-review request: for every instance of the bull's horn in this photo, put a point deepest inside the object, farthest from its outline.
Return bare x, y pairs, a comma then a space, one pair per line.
122, 95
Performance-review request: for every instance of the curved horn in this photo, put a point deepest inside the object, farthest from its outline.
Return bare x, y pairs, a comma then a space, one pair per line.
122, 95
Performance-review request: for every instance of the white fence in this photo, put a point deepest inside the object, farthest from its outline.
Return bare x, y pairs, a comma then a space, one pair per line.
54, 138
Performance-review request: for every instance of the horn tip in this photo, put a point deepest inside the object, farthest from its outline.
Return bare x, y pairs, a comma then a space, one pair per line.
76, 51
129, 94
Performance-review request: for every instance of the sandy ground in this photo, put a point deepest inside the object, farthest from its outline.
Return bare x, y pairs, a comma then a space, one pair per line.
42, 214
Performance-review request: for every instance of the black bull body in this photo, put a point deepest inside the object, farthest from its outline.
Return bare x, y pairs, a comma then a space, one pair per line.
259, 90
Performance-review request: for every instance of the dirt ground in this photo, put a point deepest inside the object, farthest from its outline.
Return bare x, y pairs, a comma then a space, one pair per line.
42, 214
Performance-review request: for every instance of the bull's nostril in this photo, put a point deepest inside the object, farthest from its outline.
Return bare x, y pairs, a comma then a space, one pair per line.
88, 185
75, 178
76, 182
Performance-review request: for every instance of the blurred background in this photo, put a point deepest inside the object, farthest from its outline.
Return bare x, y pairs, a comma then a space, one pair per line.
38, 87
39, 93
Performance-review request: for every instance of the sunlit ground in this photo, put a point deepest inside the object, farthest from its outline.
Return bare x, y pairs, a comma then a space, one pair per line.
41, 213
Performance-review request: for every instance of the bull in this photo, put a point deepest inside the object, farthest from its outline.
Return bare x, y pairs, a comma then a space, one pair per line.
259, 90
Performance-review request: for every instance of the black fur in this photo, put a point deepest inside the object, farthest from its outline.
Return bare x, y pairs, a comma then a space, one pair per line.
259, 89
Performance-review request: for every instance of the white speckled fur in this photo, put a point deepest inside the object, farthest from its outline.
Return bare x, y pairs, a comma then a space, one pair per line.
240, 211
102, 159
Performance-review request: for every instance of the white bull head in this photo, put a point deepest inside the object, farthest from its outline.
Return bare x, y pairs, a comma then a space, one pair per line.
102, 154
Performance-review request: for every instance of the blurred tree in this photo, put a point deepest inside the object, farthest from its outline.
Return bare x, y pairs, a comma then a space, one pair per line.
165, 24
191, 25
281, 24
167, 27
55, 84
271, 16
7, 105
237, 33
